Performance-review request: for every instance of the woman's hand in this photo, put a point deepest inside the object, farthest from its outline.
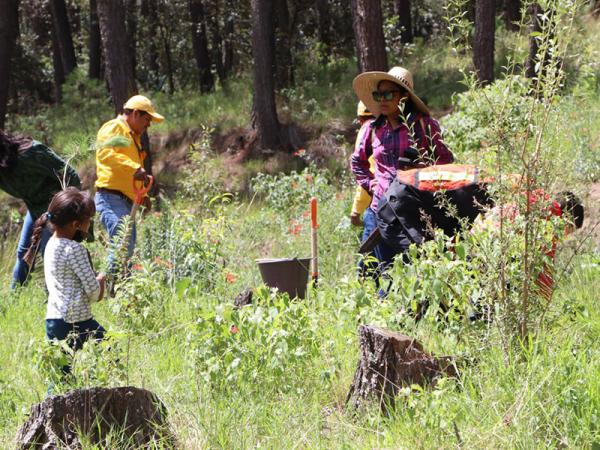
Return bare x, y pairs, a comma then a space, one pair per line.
101, 279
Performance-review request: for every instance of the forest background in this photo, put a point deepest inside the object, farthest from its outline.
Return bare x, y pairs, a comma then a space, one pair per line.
259, 107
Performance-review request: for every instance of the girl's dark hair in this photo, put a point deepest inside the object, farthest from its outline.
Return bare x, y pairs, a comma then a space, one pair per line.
66, 206
10, 146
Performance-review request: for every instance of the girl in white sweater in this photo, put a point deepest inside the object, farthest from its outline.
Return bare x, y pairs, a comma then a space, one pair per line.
71, 281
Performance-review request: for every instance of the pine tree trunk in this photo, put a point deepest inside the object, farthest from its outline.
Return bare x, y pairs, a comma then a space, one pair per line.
59, 74
200, 43
228, 40
62, 27
9, 32
389, 361
483, 41
324, 24
165, 36
367, 23
264, 112
596, 9
283, 51
149, 10
119, 72
131, 25
535, 10
402, 10
512, 14
94, 44
217, 42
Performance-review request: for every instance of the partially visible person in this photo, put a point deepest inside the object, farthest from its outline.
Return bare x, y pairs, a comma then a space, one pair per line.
402, 135
70, 278
117, 166
565, 205
32, 172
362, 199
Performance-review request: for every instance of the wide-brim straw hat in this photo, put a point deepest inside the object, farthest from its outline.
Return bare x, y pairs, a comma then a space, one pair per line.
365, 83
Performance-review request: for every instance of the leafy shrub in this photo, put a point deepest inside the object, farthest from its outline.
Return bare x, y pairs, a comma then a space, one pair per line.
477, 119
256, 345
289, 192
179, 244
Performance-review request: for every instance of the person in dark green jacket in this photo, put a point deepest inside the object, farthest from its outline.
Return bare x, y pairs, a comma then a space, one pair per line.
33, 173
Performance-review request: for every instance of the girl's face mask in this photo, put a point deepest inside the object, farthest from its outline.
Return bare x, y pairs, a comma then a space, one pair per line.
80, 235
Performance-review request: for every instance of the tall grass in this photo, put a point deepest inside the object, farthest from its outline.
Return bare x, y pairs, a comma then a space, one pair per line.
171, 330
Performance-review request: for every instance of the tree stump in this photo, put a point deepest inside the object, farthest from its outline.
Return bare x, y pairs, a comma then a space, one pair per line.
135, 415
389, 361
244, 298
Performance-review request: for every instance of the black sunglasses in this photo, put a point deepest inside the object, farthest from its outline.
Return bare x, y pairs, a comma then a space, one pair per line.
385, 95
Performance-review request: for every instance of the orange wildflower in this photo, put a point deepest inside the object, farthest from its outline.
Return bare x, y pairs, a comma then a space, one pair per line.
162, 262
229, 277
137, 267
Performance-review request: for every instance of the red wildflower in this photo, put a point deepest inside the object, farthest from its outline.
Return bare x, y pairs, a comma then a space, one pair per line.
308, 177
300, 152
137, 267
295, 227
229, 277
234, 329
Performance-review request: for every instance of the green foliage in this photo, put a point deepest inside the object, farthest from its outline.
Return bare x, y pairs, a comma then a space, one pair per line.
276, 374
292, 192
175, 245
474, 125
260, 346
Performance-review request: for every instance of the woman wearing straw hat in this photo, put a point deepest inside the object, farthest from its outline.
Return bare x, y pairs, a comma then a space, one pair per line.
402, 135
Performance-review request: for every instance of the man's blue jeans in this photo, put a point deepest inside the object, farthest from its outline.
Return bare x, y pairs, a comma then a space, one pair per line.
113, 209
22, 270
382, 252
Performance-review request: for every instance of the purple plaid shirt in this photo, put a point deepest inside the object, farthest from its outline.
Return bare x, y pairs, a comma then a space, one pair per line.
388, 145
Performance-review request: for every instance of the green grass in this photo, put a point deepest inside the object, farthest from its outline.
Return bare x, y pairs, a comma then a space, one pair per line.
171, 330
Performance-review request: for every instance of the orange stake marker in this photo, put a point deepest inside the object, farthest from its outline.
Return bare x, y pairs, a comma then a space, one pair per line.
313, 240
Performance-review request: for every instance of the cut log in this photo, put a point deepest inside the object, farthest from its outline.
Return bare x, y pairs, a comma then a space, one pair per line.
389, 361
134, 415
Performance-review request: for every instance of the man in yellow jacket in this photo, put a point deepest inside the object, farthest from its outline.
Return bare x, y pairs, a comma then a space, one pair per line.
120, 160
362, 199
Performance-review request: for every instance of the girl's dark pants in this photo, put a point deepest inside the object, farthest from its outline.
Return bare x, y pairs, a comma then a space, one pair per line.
75, 333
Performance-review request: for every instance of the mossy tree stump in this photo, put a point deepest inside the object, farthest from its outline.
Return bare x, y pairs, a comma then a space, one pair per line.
390, 360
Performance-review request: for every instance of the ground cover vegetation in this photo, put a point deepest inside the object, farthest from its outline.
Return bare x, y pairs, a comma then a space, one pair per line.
276, 374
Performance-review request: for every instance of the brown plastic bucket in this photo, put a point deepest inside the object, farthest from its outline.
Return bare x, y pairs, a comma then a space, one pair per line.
286, 274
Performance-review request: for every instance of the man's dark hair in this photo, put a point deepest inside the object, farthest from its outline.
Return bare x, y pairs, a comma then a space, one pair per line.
571, 204
10, 146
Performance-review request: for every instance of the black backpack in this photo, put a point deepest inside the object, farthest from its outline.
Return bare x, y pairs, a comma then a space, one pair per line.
418, 200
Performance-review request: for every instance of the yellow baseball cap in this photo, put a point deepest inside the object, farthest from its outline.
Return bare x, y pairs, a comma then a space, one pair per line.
362, 111
142, 103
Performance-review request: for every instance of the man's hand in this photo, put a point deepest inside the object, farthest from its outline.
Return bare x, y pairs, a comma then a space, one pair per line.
141, 175
355, 219
147, 204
